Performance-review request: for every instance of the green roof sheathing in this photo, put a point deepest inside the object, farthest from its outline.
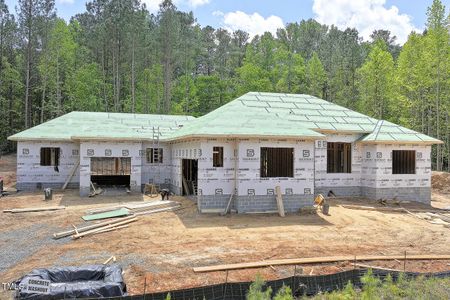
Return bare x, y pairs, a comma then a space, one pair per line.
251, 115
98, 125
385, 132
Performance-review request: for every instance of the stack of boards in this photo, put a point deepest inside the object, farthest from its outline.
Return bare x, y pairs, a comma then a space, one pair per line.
132, 208
118, 217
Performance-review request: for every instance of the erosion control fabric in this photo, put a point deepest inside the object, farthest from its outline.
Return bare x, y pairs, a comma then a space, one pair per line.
300, 285
93, 281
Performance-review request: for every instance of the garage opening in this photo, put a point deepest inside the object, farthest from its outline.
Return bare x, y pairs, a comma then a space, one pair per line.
189, 176
111, 171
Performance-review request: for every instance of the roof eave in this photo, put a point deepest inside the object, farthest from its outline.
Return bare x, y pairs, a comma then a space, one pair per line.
190, 136
403, 142
40, 139
342, 131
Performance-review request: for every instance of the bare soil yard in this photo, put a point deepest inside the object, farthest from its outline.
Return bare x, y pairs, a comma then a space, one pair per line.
164, 247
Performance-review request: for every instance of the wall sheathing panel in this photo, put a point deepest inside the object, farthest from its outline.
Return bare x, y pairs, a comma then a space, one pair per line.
31, 175
380, 183
158, 173
110, 149
187, 149
342, 184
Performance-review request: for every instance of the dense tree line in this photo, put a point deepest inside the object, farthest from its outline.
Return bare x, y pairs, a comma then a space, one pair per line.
118, 57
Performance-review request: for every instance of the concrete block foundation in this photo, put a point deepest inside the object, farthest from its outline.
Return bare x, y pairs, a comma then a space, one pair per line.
418, 194
340, 191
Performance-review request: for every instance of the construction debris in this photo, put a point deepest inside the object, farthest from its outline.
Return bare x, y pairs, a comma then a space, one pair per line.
314, 260
33, 209
95, 191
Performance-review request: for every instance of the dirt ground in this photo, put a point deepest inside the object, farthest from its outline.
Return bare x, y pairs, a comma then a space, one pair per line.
161, 249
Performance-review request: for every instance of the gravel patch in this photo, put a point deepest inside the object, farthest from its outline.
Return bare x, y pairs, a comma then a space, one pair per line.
16, 245
134, 259
77, 258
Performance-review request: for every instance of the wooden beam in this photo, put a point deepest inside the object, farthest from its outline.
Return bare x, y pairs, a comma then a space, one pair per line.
316, 260
72, 172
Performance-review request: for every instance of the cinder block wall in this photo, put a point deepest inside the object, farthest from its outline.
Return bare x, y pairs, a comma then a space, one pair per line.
31, 175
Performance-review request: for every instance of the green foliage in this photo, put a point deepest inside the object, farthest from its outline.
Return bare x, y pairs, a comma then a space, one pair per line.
376, 82
374, 289
285, 293
256, 291
315, 76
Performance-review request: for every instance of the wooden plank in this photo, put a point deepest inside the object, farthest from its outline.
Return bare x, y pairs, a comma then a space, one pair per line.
111, 229
280, 204
153, 211
72, 172
112, 258
316, 260
375, 267
100, 229
227, 209
89, 227
106, 215
185, 185
34, 209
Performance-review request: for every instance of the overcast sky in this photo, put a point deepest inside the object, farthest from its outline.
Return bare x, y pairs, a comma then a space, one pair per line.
258, 16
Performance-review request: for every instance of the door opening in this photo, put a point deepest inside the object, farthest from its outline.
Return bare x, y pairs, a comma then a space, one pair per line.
189, 171
111, 171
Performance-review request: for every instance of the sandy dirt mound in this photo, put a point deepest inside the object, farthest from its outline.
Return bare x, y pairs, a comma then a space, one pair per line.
440, 181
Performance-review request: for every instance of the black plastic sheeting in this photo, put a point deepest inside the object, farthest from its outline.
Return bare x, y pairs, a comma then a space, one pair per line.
300, 285
93, 281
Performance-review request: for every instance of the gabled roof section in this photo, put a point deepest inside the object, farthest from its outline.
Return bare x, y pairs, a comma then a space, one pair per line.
387, 132
106, 126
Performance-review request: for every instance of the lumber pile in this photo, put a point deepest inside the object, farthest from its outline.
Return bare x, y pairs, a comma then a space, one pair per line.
139, 208
33, 209
316, 260
95, 228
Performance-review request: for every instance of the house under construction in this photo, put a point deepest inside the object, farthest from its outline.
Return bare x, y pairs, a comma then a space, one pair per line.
241, 150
